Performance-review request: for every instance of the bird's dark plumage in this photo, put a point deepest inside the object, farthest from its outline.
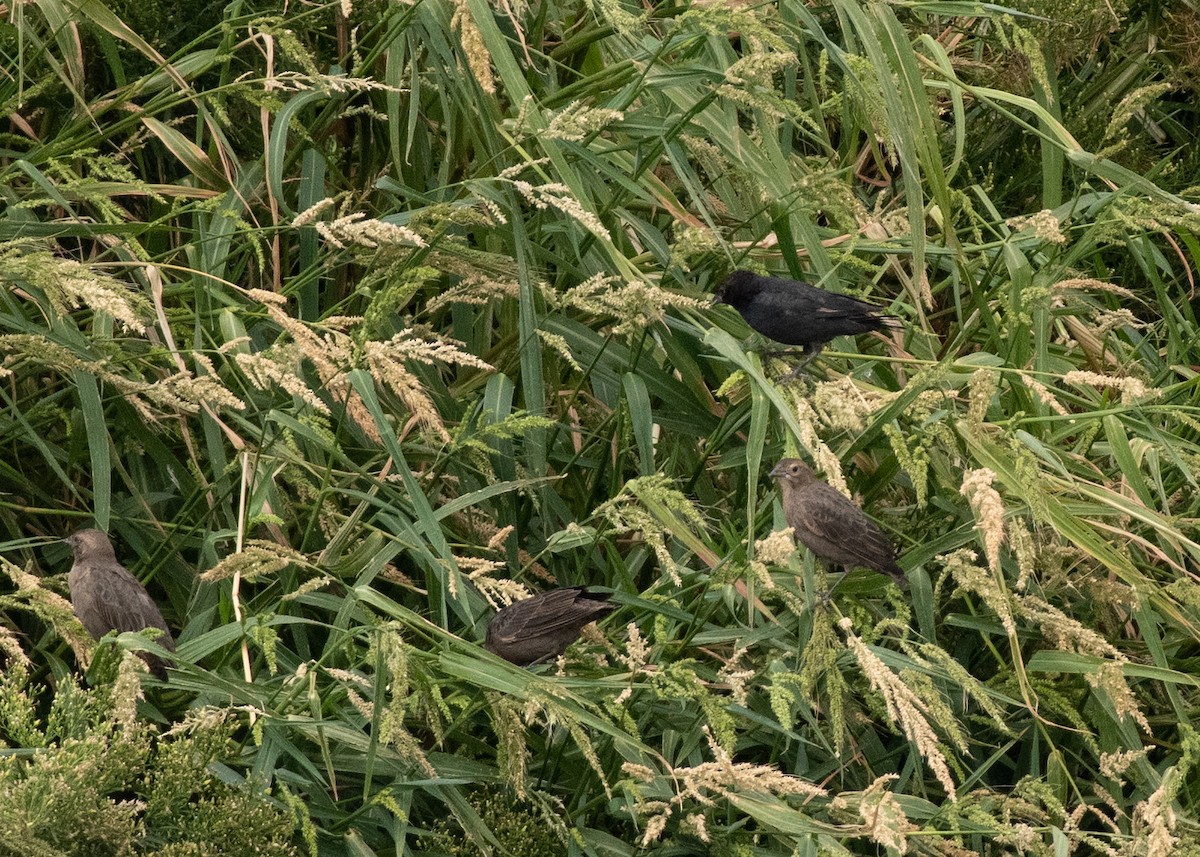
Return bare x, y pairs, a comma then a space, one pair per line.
829, 524
541, 627
796, 313
106, 597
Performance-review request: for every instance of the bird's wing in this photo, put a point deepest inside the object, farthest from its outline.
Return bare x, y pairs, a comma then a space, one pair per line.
843, 306
558, 610
804, 299
791, 300
784, 311
832, 518
125, 605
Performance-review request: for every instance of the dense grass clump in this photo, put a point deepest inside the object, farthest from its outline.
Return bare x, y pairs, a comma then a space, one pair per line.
90, 778
353, 322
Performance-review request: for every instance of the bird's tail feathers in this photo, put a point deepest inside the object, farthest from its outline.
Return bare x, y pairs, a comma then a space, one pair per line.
896, 573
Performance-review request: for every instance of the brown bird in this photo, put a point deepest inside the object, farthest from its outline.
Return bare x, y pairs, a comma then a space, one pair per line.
539, 628
831, 526
106, 597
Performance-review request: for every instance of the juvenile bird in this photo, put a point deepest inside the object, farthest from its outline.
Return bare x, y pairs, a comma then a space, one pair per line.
539, 628
106, 597
796, 313
831, 526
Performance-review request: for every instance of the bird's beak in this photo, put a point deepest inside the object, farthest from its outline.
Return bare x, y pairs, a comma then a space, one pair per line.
716, 299
777, 472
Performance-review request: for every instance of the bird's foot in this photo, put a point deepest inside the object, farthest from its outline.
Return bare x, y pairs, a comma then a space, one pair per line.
795, 375
801, 367
779, 354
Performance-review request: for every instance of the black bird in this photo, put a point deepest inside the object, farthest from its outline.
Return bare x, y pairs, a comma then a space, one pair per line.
106, 597
796, 313
539, 628
830, 525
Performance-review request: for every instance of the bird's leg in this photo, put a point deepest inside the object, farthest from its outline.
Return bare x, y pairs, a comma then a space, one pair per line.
799, 368
780, 354
827, 598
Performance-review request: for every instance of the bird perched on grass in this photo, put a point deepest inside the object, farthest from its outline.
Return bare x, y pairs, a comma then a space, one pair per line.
830, 525
106, 597
796, 313
539, 628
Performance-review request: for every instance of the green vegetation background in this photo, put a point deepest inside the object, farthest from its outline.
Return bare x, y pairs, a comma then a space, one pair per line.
349, 321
